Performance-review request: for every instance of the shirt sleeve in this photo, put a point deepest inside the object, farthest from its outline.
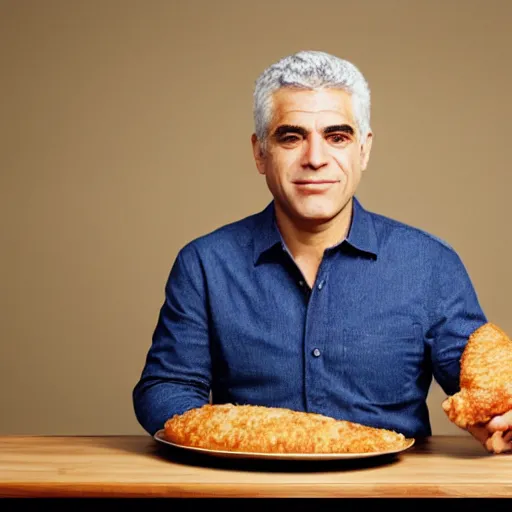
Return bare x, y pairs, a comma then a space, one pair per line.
458, 314
177, 371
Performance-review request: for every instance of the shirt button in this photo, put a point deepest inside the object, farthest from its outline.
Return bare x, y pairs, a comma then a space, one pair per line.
321, 285
301, 283
316, 352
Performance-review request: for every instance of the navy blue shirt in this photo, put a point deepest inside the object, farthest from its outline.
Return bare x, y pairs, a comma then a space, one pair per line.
391, 307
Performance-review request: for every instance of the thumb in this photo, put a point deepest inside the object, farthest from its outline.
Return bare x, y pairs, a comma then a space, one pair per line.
503, 422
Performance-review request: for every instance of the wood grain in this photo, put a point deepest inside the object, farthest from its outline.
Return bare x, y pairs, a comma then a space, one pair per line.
138, 466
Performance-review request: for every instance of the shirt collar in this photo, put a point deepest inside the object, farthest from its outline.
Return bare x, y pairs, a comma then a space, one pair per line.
265, 232
362, 236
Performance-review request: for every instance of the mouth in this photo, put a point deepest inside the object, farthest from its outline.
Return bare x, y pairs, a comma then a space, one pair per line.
314, 182
314, 186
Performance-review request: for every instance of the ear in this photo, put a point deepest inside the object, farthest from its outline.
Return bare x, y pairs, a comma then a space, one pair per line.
259, 155
366, 148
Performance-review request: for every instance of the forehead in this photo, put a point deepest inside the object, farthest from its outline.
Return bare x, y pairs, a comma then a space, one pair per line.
298, 106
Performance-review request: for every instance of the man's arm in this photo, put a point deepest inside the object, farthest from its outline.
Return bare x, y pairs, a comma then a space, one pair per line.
460, 314
177, 372
457, 314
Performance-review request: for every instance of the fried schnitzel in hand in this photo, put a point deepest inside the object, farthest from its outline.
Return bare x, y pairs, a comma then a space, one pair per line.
483, 406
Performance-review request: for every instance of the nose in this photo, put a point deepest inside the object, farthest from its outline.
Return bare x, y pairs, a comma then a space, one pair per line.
315, 153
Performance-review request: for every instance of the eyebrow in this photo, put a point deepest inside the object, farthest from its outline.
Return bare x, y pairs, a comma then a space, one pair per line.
346, 128
290, 128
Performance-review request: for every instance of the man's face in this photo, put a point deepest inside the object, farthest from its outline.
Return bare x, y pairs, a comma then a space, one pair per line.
313, 158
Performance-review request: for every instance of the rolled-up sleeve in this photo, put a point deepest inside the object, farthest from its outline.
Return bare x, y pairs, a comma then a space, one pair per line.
177, 371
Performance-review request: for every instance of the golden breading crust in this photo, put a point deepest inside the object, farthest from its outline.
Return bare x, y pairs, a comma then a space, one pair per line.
253, 428
485, 378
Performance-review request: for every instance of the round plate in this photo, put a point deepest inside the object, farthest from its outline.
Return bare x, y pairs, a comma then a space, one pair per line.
159, 436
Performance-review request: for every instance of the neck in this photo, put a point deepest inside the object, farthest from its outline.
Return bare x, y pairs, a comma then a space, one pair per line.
311, 238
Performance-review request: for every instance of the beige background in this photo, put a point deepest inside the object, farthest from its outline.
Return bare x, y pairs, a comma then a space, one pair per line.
125, 132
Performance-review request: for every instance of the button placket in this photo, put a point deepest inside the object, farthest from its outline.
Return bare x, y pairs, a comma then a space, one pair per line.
314, 339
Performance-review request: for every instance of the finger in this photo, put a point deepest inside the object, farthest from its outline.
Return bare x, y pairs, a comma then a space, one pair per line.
499, 444
503, 422
508, 418
497, 424
489, 443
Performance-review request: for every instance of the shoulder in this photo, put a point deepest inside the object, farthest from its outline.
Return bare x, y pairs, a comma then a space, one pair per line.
216, 249
236, 234
391, 230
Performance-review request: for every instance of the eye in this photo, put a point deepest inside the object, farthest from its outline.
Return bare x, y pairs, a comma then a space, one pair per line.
338, 138
289, 139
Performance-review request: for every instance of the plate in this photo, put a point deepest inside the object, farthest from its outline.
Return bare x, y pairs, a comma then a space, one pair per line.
159, 436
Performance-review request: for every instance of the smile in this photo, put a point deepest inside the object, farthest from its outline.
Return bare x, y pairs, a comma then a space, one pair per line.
314, 182
314, 186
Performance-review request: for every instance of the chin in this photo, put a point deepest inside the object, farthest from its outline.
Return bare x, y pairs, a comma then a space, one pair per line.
316, 216
318, 212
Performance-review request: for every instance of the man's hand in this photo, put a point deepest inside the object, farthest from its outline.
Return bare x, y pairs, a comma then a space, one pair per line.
495, 436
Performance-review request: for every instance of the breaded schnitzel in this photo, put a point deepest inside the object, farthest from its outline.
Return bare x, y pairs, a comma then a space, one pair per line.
485, 378
253, 428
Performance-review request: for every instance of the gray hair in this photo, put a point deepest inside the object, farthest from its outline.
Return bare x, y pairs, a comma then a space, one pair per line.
311, 70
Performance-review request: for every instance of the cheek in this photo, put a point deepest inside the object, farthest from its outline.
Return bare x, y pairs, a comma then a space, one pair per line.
343, 163
348, 161
281, 166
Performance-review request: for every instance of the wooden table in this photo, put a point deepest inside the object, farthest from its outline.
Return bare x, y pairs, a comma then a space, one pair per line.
138, 466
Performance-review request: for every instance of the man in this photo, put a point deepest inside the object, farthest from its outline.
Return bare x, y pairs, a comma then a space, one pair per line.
314, 304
